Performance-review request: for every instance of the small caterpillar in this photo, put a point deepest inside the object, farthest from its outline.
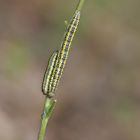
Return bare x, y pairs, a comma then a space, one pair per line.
48, 73
58, 60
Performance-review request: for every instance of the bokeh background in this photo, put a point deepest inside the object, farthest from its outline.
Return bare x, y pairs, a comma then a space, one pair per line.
98, 97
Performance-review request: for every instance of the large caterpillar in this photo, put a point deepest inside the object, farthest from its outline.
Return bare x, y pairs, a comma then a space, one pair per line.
58, 59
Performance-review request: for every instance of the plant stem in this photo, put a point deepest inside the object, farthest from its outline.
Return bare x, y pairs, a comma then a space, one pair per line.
50, 102
48, 109
80, 5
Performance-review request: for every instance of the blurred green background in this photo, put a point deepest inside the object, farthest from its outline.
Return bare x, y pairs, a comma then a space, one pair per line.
98, 97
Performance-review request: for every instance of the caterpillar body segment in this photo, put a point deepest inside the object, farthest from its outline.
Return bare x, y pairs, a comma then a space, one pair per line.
48, 73
63, 52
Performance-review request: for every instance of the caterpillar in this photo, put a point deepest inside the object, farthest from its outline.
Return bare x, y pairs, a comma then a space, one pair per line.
48, 73
58, 59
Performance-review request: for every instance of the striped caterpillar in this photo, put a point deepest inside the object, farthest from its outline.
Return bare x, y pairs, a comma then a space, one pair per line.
58, 59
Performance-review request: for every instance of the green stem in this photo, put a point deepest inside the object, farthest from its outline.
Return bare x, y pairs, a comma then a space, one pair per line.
48, 108
80, 5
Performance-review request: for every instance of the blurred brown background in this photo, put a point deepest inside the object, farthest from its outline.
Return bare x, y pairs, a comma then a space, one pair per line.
98, 97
